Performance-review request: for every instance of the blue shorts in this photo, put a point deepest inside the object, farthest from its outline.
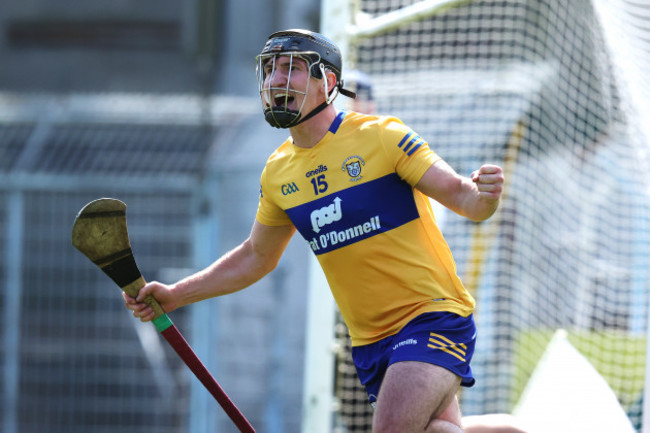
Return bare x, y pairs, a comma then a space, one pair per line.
439, 338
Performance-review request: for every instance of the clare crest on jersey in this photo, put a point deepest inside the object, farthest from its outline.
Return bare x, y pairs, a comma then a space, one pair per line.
353, 165
354, 168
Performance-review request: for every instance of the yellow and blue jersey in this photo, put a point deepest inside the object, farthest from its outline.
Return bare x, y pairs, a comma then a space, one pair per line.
352, 198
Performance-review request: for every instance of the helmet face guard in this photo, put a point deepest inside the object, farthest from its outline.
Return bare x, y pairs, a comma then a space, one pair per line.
276, 100
318, 52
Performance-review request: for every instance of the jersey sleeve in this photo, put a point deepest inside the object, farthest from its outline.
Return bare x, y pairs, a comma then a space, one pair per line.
268, 213
409, 153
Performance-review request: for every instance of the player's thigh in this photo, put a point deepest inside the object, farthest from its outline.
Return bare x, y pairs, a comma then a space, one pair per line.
414, 393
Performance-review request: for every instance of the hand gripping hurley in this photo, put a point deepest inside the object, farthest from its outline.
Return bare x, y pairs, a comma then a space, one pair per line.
100, 233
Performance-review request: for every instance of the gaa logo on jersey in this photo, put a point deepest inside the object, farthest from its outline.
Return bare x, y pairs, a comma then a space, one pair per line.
352, 165
289, 188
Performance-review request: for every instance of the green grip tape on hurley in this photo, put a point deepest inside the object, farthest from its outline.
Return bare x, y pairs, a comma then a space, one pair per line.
162, 322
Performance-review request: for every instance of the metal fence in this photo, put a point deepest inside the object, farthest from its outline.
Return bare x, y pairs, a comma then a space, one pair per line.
72, 358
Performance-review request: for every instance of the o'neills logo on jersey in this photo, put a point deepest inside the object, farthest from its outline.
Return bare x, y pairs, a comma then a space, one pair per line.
318, 170
333, 213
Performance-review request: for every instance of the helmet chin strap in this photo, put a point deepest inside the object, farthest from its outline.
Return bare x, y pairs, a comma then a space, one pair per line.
313, 112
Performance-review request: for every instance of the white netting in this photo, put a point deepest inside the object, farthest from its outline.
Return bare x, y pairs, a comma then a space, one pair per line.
556, 93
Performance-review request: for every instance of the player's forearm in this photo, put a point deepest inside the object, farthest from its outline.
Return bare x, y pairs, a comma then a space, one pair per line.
235, 271
482, 210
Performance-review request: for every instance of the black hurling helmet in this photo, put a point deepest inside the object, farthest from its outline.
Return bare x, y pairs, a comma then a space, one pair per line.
319, 52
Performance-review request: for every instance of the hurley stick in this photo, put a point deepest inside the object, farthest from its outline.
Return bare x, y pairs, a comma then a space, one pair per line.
100, 233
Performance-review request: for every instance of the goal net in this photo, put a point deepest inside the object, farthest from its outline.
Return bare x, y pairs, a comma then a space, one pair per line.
557, 93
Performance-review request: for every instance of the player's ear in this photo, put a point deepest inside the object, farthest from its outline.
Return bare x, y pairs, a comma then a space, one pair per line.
330, 76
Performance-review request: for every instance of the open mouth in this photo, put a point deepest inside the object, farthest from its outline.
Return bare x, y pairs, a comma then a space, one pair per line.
283, 99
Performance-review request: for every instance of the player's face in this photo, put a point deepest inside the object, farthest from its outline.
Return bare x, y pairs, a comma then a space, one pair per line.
286, 83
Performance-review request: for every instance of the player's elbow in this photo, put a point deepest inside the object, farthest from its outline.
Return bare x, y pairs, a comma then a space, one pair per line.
261, 261
268, 265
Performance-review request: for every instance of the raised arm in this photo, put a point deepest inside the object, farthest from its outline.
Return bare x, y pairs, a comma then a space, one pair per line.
239, 268
475, 197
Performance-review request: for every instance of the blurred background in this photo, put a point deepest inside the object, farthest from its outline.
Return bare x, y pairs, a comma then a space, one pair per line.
155, 103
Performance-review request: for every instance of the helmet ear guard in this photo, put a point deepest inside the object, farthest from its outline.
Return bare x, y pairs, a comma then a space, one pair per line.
330, 95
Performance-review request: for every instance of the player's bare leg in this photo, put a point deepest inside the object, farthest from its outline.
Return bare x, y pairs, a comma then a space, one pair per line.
417, 397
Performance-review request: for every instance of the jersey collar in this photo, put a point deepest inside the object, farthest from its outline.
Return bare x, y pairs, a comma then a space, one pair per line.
337, 121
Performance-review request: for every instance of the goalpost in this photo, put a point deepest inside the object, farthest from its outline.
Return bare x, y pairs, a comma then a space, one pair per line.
557, 93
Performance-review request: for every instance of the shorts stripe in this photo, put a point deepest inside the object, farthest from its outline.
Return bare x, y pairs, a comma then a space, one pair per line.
434, 343
444, 349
